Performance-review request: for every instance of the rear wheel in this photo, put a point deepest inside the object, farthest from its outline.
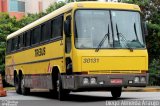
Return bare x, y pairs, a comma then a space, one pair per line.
24, 90
116, 92
17, 84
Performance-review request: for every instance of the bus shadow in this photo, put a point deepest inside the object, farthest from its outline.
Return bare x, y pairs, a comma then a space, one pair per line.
77, 98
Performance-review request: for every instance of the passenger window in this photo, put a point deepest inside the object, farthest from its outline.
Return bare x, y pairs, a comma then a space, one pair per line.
57, 27
43, 32
28, 38
21, 40
25, 39
9, 46
14, 44
46, 31
18, 42
36, 35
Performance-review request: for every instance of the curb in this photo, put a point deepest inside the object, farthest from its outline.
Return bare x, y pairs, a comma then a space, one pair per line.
130, 89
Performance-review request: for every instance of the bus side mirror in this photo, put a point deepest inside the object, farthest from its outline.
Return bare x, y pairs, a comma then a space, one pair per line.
145, 29
67, 26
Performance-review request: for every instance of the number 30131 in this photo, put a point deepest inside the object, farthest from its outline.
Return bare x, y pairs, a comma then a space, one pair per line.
90, 60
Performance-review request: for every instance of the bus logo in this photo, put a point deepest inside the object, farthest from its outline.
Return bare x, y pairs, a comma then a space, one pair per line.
40, 52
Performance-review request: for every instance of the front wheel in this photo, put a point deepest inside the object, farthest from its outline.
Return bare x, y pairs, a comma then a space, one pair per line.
116, 92
61, 92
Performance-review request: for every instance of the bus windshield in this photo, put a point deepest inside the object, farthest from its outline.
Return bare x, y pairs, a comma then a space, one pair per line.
108, 29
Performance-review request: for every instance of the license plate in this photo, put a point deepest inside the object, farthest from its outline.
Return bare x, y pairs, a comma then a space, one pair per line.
116, 81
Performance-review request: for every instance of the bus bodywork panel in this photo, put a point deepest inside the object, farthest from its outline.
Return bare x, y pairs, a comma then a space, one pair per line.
107, 65
123, 65
108, 61
32, 63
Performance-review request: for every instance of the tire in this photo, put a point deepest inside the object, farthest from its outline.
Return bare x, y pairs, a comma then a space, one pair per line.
17, 84
53, 93
61, 93
116, 92
24, 90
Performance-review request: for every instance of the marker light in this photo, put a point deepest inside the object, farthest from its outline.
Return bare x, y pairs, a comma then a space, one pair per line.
93, 81
85, 80
136, 80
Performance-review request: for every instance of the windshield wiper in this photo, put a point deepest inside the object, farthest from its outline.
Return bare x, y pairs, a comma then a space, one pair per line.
135, 30
123, 38
102, 41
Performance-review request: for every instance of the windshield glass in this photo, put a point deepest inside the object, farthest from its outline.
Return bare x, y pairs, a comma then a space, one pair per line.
92, 26
127, 29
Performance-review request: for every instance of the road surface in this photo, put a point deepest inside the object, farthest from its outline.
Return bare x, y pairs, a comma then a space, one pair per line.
74, 99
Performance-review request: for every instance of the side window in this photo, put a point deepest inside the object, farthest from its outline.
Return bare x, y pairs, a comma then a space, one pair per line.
25, 39
46, 31
57, 27
43, 32
32, 37
9, 46
14, 44
18, 42
21, 40
7, 49
36, 35
28, 38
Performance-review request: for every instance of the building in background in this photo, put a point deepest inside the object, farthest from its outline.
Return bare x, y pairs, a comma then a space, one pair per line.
36, 6
19, 8
3, 5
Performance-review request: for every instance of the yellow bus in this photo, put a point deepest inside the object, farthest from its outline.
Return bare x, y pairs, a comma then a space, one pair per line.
82, 46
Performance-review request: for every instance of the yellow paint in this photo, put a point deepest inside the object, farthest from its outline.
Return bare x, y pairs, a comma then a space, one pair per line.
110, 60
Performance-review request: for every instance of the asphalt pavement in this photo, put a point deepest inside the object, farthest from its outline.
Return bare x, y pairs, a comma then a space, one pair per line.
102, 98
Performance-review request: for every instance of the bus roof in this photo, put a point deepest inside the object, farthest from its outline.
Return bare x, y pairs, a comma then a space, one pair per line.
74, 5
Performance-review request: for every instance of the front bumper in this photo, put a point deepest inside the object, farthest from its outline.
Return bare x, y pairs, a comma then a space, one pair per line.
75, 82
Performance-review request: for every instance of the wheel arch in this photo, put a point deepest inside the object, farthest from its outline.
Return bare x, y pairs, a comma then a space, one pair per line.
20, 74
55, 70
15, 73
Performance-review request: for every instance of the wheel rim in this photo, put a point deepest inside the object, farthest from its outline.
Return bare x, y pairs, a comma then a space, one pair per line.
57, 82
16, 84
22, 85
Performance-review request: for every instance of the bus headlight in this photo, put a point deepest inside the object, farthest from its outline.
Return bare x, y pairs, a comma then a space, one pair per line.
143, 79
85, 80
93, 81
136, 80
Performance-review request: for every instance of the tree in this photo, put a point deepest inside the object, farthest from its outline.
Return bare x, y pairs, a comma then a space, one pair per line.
7, 26
29, 19
55, 6
151, 14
